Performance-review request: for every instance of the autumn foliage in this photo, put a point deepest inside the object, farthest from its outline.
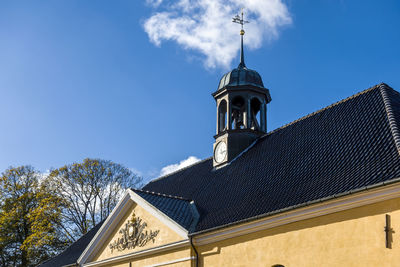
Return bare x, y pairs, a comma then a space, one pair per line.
28, 219
40, 215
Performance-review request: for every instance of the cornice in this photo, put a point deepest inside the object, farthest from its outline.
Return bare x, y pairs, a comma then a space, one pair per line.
142, 253
242, 88
315, 210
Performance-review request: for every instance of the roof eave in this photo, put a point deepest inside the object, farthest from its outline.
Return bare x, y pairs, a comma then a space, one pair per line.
309, 203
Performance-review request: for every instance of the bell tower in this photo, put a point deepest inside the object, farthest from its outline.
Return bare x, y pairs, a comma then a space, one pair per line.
241, 100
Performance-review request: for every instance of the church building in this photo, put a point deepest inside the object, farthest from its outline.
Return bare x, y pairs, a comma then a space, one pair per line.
323, 190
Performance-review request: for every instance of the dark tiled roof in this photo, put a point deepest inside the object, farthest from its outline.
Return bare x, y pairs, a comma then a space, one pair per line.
71, 254
178, 209
347, 146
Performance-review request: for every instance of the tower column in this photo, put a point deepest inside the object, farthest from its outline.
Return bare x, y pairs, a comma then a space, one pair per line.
248, 114
263, 116
229, 109
218, 118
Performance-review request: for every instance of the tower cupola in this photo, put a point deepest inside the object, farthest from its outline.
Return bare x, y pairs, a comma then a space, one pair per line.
241, 100
241, 76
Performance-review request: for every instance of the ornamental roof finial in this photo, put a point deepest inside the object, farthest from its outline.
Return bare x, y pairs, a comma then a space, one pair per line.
239, 19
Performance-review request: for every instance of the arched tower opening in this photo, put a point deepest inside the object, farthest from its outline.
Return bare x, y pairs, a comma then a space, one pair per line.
255, 108
222, 116
238, 113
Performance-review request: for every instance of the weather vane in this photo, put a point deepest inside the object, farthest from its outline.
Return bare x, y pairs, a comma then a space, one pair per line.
239, 19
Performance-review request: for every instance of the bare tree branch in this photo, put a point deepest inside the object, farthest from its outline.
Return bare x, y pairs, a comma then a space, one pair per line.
90, 190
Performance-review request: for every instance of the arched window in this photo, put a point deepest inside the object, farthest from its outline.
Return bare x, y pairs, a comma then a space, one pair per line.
238, 108
277, 265
222, 116
255, 105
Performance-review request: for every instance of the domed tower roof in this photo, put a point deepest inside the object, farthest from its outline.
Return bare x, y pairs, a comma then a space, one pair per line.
241, 76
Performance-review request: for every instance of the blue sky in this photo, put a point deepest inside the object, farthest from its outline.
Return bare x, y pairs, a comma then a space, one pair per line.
131, 81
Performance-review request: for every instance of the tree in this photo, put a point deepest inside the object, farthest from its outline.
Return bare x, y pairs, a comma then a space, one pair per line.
28, 219
90, 190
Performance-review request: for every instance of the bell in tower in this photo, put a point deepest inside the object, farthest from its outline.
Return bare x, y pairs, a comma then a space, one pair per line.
241, 109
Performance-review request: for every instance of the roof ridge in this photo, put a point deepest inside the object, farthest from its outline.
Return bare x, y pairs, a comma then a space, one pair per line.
325, 108
394, 129
169, 174
160, 194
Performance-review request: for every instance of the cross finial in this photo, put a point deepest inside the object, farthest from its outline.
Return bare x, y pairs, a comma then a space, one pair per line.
239, 19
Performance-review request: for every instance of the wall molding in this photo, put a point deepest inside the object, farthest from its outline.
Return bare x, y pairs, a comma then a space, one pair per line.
142, 253
171, 262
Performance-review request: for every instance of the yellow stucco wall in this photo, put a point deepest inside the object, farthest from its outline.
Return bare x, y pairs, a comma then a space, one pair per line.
349, 238
165, 236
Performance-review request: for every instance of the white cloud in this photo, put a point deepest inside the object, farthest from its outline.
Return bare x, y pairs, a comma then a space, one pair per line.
182, 164
154, 3
205, 25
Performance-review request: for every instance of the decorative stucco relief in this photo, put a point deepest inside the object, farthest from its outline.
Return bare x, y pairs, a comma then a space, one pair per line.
133, 235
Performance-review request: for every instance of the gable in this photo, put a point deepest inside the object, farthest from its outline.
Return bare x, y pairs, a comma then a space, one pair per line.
133, 226
155, 233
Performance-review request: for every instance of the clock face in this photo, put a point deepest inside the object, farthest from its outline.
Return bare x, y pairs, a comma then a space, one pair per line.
220, 152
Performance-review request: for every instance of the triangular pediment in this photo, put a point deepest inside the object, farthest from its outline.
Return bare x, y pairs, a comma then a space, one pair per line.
134, 225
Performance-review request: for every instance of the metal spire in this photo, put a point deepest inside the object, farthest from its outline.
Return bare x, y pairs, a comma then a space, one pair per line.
241, 21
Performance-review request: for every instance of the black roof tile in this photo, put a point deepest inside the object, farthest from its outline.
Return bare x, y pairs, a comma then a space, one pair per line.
178, 209
346, 146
